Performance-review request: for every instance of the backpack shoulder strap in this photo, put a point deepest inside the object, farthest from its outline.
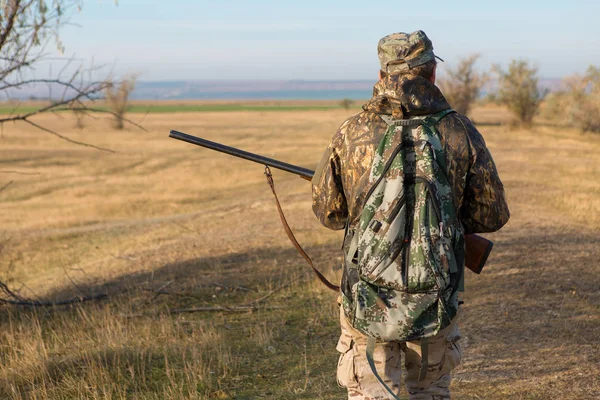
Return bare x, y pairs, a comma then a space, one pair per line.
371, 361
390, 121
429, 121
433, 119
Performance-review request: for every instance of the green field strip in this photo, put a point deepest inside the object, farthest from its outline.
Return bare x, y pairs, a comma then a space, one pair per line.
174, 108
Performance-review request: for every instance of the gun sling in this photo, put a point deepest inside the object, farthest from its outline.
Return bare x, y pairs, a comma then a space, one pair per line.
291, 236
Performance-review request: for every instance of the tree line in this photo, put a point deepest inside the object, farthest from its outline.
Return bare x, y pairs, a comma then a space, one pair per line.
576, 103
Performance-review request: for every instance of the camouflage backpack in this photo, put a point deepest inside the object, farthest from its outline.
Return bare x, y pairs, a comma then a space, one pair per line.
408, 245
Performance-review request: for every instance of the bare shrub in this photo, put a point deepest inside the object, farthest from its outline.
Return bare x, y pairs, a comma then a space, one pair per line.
117, 99
578, 102
518, 89
79, 116
463, 85
346, 103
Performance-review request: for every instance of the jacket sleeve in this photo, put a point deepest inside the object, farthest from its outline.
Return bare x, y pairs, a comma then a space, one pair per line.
329, 201
484, 207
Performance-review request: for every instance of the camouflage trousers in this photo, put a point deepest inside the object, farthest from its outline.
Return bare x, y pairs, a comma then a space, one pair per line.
354, 372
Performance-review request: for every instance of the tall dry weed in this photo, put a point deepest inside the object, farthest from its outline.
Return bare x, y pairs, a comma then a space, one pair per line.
117, 99
98, 354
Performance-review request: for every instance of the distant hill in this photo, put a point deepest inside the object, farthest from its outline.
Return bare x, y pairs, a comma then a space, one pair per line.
276, 90
237, 90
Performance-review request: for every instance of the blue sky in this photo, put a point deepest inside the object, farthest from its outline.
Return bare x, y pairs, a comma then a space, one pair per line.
260, 39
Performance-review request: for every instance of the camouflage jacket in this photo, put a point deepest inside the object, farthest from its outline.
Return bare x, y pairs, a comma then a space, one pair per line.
339, 184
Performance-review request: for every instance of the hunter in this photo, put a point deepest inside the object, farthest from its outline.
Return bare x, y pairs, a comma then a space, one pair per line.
406, 92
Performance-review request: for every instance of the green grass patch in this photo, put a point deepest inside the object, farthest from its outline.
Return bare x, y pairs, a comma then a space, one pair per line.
17, 110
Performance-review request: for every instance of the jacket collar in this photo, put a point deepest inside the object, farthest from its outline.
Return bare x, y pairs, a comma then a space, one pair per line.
404, 96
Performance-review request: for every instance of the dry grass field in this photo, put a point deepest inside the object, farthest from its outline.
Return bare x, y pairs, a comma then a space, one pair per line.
169, 230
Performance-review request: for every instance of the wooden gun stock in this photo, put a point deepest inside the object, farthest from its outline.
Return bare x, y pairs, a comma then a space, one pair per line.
477, 250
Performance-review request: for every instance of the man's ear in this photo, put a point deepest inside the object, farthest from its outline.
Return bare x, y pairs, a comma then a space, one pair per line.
432, 78
380, 75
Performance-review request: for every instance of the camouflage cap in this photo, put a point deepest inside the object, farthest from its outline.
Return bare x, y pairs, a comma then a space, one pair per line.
402, 51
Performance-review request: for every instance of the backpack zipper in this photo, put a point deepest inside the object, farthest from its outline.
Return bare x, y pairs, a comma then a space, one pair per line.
396, 209
436, 207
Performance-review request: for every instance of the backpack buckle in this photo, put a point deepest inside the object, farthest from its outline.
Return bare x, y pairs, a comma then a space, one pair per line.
375, 225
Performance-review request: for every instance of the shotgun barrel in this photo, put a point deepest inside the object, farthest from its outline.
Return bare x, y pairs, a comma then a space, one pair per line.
246, 155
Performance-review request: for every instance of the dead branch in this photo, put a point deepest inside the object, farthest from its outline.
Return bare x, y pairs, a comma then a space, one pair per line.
246, 307
159, 292
223, 309
66, 138
10, 297
14, 299
66, 85
5, 186
36, 303
232, 309
271, 293
11, 18
242, 288
75, 285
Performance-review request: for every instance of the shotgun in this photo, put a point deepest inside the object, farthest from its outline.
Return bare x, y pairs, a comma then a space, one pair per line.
477, 248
